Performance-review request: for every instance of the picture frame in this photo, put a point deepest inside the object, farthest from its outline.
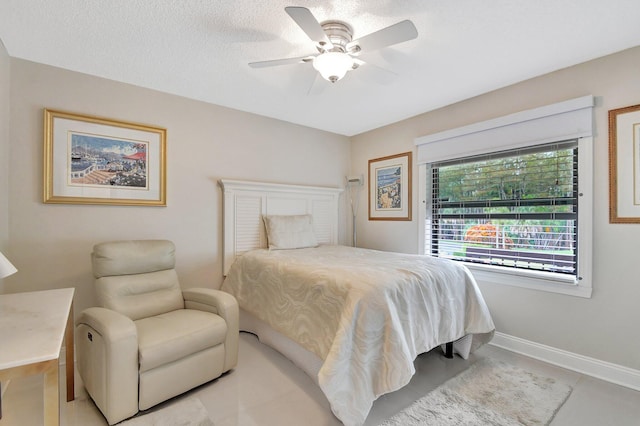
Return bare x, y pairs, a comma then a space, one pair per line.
390, 187
94, 160
624, 165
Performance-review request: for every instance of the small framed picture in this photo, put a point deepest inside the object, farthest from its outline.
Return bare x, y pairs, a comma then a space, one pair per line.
92, 160
390, 187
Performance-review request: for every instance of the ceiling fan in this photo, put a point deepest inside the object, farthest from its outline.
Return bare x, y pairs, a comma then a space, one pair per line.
337, 51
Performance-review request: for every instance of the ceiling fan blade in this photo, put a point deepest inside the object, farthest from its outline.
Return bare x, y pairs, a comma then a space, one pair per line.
397, 33
374, 73
278, 62
317, 86
309, 24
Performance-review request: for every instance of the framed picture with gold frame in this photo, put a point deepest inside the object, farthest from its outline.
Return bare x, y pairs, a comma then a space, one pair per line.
624, 165
93, 160
390, 187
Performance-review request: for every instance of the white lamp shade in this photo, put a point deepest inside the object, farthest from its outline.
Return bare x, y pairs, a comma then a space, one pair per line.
6, 268
333, 66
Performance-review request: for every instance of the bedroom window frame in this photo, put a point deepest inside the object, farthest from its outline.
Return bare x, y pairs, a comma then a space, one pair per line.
576, 114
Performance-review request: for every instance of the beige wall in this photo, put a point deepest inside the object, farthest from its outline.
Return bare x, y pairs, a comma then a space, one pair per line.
603, 327
51, 243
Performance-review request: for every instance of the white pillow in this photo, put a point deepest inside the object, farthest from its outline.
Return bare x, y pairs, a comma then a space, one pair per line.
290, 232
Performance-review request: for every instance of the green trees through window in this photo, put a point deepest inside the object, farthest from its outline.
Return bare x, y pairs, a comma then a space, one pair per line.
514, 209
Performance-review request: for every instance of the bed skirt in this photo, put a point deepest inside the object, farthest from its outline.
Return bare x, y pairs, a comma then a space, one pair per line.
307, 361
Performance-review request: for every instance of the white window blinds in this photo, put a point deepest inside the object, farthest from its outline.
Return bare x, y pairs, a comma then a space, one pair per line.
515, 209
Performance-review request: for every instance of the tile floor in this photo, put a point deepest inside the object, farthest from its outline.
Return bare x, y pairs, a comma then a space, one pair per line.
267, 389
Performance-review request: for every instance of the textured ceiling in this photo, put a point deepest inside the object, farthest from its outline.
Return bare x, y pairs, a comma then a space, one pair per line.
200, 49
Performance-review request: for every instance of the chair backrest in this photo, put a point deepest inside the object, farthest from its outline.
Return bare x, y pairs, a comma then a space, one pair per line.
137, 278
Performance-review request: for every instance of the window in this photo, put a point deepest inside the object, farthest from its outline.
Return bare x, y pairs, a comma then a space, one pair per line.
515, 209
512, 197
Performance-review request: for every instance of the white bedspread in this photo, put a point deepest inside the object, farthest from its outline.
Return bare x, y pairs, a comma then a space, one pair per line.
366, 313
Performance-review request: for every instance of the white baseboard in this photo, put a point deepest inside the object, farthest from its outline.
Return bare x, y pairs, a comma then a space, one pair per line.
607, 371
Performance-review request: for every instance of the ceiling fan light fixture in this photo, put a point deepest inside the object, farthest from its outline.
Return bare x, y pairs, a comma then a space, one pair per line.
332, 66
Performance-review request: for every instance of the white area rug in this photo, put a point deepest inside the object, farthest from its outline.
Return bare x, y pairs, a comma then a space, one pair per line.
186, 412
488, 393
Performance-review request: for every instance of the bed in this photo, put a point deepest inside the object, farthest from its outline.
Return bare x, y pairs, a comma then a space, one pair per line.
353, 319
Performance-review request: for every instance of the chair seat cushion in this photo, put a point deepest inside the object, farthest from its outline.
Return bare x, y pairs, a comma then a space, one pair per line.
173, 335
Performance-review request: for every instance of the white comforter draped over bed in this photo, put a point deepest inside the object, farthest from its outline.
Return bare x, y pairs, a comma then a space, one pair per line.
366, 313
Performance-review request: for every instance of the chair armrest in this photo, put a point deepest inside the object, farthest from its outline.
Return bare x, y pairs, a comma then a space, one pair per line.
107, 360
208, 299
224, 305
112, 325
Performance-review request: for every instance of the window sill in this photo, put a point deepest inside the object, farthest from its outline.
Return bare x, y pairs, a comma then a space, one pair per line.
485, 274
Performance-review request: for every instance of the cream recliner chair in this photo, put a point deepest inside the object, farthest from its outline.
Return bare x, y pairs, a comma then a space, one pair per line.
150, 341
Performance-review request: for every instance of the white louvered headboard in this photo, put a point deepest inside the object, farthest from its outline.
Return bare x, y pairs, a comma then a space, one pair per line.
244, 204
